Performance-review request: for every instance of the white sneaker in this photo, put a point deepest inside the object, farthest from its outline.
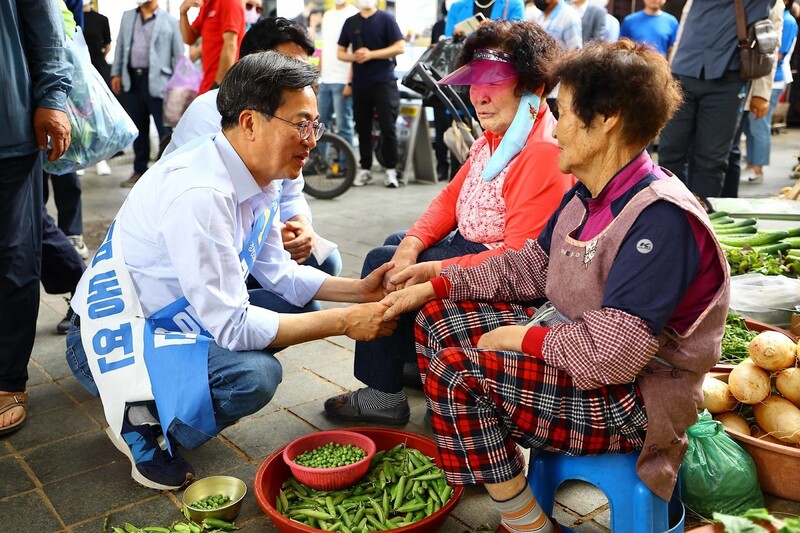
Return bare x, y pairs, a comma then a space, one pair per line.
103, 168
752, 177
80, 246
363, 177
391, 179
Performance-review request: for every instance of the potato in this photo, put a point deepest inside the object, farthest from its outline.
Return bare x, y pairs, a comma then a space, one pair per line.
779, 417
788, 384
717, 397
772, 350
734, 421
758, 433
748, 382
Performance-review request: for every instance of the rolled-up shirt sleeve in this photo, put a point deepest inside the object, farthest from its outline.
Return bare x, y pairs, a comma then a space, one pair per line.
46, 53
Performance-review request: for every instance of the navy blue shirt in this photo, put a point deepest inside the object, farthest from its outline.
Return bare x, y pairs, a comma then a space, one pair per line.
661, 276
375, 32
708, 45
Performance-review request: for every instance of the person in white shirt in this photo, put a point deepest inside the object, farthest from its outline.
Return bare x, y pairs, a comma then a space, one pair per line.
167, 286
201, 118
335, 90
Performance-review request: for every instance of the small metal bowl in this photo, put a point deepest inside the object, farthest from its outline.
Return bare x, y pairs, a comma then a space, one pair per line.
232, 487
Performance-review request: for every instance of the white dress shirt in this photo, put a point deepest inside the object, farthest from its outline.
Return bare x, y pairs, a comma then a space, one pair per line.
182, 229
202, 118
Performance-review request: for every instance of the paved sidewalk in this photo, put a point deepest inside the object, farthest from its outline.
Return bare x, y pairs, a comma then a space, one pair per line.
61, 473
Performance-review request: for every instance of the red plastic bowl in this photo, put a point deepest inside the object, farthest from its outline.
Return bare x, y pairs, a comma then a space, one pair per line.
274, 471
329, 478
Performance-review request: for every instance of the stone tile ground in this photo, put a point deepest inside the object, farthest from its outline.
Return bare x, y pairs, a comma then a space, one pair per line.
61, 473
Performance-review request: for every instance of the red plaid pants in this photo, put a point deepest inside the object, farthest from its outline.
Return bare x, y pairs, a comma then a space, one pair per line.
484, 403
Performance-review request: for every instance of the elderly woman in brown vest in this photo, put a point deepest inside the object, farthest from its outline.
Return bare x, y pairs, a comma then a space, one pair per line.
637, 293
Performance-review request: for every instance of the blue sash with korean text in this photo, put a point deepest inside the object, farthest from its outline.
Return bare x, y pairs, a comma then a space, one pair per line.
163, 357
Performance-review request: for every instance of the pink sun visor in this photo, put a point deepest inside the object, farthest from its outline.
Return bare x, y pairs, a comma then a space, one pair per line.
487, 66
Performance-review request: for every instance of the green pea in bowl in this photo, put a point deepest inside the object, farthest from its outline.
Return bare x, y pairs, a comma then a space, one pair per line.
329, 478
232, 490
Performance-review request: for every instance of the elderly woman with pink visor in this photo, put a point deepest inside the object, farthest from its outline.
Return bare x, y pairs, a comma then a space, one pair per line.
502, 196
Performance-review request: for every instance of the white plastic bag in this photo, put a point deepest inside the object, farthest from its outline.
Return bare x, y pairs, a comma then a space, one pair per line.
100, 126
767, 299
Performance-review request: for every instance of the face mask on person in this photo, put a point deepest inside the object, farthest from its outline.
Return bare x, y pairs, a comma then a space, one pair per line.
366, 4
341, 2
251, 16
541, 4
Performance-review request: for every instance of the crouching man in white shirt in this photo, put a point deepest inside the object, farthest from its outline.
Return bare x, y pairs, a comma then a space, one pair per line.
164, 328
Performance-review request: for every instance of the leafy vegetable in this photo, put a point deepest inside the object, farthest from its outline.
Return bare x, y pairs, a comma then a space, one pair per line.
736, 338
746, 259
745, 523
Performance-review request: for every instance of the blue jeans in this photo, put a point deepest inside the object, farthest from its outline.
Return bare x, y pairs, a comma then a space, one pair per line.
379, 363
241, 383
757, 133
330, 101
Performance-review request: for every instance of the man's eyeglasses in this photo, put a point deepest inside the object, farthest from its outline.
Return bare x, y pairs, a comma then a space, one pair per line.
305, 127
250, 6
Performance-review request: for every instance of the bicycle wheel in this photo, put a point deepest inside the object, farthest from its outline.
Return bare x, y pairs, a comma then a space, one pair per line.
330, 169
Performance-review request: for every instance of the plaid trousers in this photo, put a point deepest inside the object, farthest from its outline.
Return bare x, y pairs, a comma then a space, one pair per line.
484, 403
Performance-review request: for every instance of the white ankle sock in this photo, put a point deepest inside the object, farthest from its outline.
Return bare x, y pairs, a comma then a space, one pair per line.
139, 415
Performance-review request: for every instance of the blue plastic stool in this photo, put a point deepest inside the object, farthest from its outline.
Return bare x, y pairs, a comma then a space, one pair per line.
634, 508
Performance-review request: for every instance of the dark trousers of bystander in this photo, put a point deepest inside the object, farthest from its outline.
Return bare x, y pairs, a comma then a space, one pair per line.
699, 136
67, 196
140, 105
731, 187
383, 102
20, 265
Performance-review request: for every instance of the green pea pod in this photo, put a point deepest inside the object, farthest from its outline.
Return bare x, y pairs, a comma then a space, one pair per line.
194, 528
400, 492
444, 495
385, 507
180, 527
429, 477
130, 528
418, 471
376, 523
219, 524
116, 529
412, 507
155, 529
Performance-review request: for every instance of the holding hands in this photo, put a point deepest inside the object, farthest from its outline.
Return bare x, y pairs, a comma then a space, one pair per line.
415, 274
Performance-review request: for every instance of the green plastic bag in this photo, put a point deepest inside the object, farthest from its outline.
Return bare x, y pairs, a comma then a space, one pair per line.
717, 475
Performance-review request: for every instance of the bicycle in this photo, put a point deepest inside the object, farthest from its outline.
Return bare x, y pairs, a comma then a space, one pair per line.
331, 167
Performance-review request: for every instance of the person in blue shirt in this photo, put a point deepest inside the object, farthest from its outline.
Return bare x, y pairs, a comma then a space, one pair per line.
757, 130
461, 10
651, 26
38, 77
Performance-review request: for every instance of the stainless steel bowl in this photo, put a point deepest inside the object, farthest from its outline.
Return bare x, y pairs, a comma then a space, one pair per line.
232, 487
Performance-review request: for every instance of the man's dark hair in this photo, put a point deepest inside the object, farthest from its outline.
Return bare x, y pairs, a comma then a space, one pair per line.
269, 32
258, 82
532, 50
623, 77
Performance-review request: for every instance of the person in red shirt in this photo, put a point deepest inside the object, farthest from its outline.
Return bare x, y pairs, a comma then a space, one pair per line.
220, 24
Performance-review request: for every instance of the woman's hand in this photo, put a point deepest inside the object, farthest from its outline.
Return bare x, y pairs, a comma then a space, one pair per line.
416, 274
371, 287
504, 338
408, 299
365, 322
402, 259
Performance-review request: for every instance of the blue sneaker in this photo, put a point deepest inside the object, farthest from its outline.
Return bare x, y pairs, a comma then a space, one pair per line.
151, 466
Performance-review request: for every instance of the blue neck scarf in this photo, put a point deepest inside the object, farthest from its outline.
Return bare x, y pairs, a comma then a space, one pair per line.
515, 137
